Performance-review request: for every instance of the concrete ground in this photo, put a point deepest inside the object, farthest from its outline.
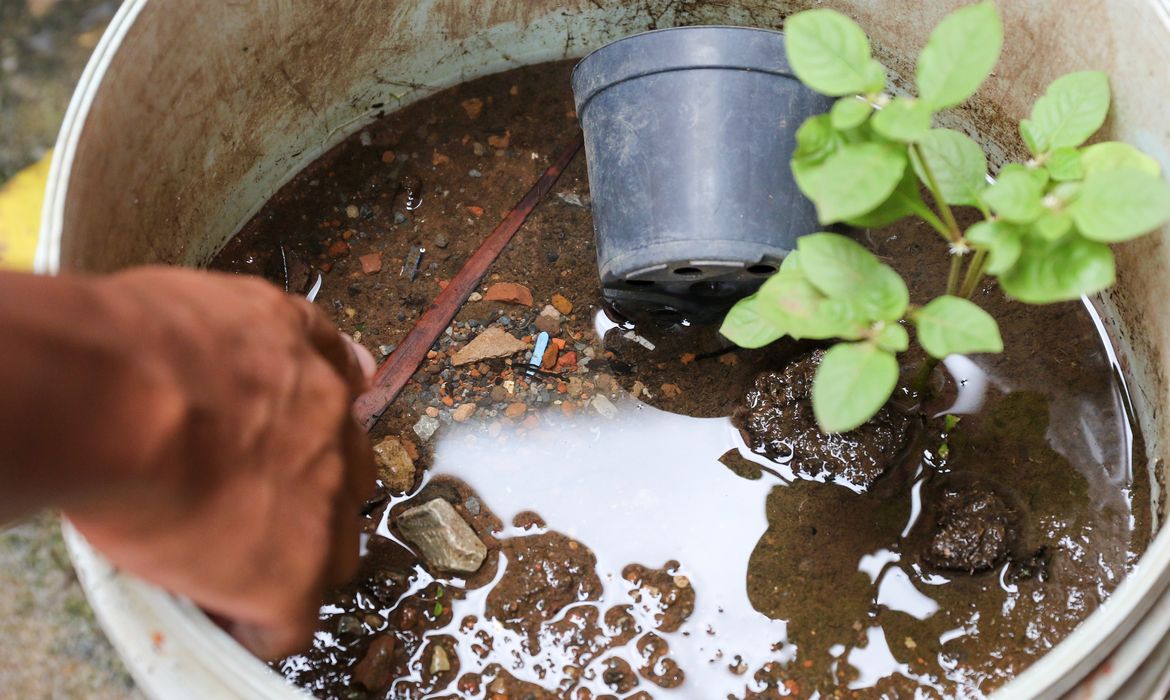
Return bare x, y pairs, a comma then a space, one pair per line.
50, 644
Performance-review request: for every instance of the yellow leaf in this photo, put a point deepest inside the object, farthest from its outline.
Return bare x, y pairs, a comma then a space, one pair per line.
20, 215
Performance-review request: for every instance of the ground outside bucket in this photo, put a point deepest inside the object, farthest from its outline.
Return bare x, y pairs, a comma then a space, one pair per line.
688, 134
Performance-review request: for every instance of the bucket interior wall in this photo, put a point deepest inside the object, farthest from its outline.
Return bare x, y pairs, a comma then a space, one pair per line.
203, 112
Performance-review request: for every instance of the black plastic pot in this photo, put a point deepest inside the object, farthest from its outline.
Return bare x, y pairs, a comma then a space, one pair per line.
688, 134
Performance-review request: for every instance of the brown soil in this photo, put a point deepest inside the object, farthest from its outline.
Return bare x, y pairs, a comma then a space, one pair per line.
854, 575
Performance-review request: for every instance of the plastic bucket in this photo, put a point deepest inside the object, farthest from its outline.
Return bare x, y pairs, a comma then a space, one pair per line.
687, 131
187, 120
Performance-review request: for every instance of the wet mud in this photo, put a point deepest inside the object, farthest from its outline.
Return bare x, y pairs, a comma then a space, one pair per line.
646, 538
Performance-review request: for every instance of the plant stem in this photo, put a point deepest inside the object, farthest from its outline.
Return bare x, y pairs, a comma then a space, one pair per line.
929, 217
974, 274
923, 376
953, 276
948, 216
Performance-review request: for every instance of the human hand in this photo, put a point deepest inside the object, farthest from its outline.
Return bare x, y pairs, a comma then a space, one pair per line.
245, 471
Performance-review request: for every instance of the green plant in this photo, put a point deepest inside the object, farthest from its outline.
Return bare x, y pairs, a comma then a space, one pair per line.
1045, 228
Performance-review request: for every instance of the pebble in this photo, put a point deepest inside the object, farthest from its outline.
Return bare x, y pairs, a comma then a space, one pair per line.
352, 211
432, 412
493, 342
548, 324
366, 138
371, 263
474, 173
463, 413
573, 199
478, 149
476, 211
445, 539
475, 296
562, 304
499, 394
395, 467
505, 320
473, 106
399, 217
439, 661
388, 156
426, 427
516, 410
472, 505
604, 406
441, 241
387, 349
509, 293
552, 256
374, 671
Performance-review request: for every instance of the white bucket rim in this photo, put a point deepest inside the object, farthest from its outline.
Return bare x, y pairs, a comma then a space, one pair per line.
197, 659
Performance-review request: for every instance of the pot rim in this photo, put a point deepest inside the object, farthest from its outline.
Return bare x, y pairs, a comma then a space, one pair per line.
172, 648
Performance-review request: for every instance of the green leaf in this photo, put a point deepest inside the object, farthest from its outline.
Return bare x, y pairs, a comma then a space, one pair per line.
852, 383
789, 301
855, 180
1113, 155
903, 120
1016, 196
1071, 110
957, 163
893, 337
959, 55
816, 139
904, 201
841, 268
1064, 164
950, 325
747, 328
1001, 240
1117, 205
849, 113
830, 54
1053, 225
791, 262
1050, 271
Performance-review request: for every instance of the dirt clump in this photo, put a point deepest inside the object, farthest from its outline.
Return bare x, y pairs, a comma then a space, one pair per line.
973, 530
780, 425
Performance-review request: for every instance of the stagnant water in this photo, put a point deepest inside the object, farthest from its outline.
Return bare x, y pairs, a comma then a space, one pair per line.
637, 547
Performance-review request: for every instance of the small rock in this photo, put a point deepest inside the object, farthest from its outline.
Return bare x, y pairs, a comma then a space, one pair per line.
475, 211
472, 505
399, 217
371, 263
441, 241
729, 359
548, 324
426, 427
501, 141
388, 157
374, 671
499, 394
432, 412
338, 249
549, 361
670, 391
478, 149
439, 661
348, 624
473, 107
446, 541
493, 342
604, 406
562, 304
567, 360
475, 296
552, 256
509, 292
395, 466
438, 159
475, 173
550, 311
352, 211
387, 349
516, 410
366, 138
463, 413
572, 199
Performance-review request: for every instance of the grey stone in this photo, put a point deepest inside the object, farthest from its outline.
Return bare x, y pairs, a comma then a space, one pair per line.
426, 427
472, 505
445, 539
604, 406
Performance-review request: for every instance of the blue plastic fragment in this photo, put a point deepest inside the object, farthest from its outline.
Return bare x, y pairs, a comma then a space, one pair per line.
538, 352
